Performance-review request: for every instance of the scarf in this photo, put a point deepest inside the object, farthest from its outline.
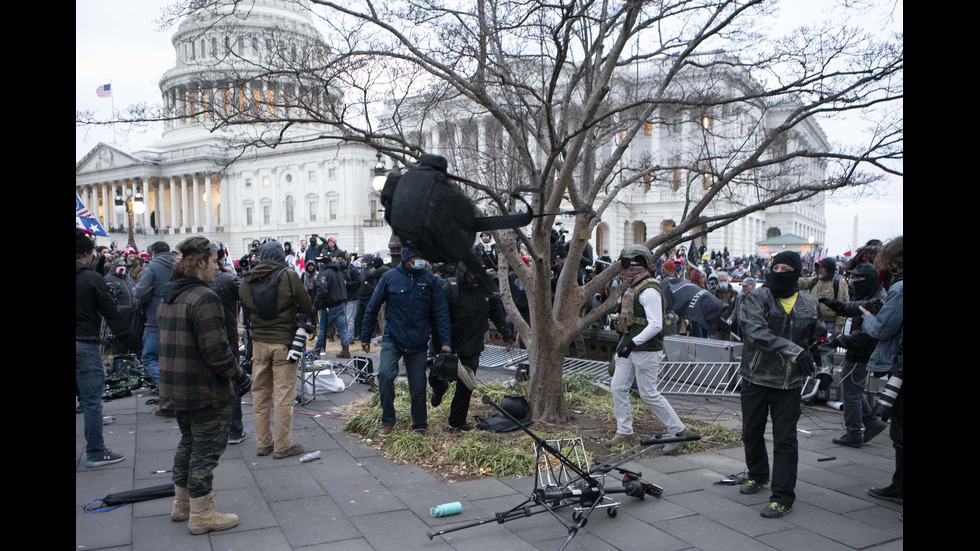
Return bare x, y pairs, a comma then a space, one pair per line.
631, 275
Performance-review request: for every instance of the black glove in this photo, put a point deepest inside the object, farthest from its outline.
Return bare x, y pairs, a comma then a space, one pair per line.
804, 363
835, 305
244, 382
626, 348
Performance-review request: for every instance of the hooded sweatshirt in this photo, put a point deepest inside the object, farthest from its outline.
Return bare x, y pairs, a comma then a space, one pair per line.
292, 297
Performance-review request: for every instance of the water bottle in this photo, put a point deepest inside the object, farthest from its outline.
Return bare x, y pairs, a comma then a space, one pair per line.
310, 457
108, 420
446, 509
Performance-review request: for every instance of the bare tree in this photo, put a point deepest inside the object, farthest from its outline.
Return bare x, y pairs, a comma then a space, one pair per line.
561, 97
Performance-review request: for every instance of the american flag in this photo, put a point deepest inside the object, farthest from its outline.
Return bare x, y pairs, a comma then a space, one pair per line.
104, 91
86, 220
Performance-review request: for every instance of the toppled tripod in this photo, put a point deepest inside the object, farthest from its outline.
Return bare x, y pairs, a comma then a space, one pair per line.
564, 483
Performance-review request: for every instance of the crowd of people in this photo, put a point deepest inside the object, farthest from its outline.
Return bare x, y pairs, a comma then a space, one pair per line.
192, 301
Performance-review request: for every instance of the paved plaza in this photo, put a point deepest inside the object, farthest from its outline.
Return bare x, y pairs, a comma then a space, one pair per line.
353, 499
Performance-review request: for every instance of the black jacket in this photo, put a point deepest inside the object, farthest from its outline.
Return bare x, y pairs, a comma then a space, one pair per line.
331, 290
471, 309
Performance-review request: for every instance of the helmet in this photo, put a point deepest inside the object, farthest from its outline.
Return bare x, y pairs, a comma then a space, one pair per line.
516, 406
635, 252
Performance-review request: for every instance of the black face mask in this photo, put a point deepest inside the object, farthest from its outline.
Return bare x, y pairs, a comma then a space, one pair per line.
783, 284
864, 288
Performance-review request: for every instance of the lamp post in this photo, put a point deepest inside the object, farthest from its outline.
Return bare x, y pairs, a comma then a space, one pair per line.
130, 205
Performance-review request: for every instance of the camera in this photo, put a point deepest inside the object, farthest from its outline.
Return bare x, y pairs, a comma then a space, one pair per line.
298, 346
886, 400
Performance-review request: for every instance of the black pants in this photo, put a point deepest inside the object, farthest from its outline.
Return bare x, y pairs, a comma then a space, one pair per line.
460, 406
898, 439
758, 404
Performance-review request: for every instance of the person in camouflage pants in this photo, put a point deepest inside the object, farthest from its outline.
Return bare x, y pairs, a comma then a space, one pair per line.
197, 368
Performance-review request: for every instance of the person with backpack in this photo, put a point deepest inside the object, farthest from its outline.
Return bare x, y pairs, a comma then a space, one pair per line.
272, 297
826, 285
331, 294
471, 309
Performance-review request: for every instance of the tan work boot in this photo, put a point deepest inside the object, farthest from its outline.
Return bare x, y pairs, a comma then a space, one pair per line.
182, 505
344, 352
205, 519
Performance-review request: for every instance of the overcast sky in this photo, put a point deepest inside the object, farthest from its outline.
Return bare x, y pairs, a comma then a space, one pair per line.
117, 42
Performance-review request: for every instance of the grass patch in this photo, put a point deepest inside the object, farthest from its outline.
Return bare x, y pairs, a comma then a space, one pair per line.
484, 453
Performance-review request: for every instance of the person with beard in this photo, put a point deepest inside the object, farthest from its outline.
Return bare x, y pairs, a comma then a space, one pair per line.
641, 348
308, 279
888, 358
860, 422
274, 373
471, 309
826, 285
779, 324
197, 368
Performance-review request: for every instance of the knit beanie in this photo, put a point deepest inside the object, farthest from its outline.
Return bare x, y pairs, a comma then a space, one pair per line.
83, 243
790, 258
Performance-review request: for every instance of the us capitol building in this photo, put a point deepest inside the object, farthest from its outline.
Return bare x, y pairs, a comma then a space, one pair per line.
194, 182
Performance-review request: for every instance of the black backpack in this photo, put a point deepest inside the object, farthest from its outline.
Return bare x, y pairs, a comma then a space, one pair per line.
265, 294
435, 219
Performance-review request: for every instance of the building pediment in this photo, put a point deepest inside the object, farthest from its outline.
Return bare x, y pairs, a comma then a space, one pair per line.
105, 157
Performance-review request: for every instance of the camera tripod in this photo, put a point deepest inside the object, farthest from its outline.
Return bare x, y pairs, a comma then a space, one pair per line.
563, 483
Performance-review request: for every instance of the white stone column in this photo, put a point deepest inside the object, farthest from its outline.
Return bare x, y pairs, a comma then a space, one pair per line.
173, 204
183, 204
197, 201
208, 204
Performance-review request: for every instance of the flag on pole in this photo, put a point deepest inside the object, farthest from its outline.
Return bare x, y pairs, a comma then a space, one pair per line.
104, 91
86, 220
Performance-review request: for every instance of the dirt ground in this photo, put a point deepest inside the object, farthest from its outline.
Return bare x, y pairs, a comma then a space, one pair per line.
592, 428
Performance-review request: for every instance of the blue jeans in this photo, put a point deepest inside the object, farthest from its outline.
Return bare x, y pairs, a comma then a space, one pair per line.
151, 353
90, 378
350, 312
336, 317
388, 371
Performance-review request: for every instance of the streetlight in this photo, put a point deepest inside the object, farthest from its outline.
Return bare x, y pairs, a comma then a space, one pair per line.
380, 175
130, 205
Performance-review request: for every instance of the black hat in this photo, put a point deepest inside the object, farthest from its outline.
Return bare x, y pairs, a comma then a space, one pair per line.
83, 243
864, 270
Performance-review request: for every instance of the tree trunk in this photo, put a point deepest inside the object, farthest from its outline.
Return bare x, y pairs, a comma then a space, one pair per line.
546, 397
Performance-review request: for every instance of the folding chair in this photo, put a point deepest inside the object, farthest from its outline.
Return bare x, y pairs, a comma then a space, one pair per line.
309, 366
361, 370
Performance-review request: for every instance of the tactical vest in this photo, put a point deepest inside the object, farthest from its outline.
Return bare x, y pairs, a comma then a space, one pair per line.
632, 318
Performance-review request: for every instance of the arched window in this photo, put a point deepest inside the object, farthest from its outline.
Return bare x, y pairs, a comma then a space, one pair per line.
290, 208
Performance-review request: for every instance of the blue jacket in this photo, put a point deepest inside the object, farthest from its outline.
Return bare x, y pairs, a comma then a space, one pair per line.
415, 301
887, 327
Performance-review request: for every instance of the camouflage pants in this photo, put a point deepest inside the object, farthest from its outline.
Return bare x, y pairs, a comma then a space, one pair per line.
203, 438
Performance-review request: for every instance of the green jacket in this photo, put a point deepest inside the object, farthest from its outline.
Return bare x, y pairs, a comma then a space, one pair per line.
291, 297
772, 339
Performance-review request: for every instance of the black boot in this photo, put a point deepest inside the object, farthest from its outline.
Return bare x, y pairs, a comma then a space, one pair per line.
854, 440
